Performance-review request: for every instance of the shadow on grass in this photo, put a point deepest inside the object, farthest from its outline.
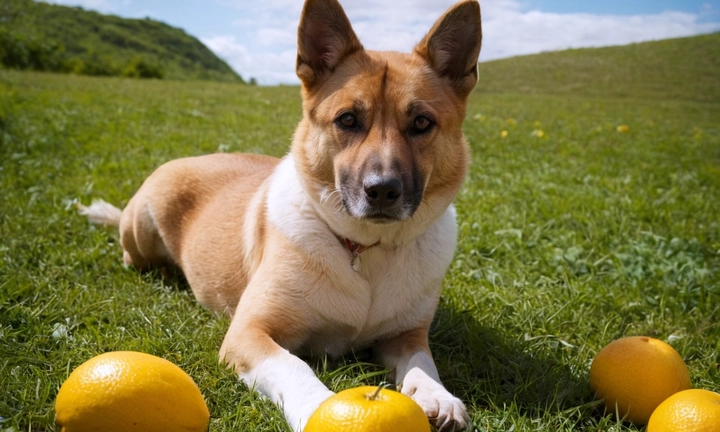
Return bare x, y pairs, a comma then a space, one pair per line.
488, 371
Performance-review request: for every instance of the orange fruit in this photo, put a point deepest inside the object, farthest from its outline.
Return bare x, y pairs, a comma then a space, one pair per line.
635, 374
124, 391
368, 409
693, 410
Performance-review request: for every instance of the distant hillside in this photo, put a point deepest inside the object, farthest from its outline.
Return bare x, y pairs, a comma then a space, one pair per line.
41, 36
679, 69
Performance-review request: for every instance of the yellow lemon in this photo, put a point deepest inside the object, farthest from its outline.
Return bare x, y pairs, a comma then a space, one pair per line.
693, 410
368, 409
635, 374
125, 391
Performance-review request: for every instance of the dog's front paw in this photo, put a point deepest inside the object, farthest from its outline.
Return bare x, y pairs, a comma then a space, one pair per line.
298, 412
445, 411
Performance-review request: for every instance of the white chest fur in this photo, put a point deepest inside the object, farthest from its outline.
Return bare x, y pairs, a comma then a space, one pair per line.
397, 284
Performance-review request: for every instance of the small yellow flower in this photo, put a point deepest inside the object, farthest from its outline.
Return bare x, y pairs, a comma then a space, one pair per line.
538, 133
697, 133
511, 121
537, 124
623, 128
504, 134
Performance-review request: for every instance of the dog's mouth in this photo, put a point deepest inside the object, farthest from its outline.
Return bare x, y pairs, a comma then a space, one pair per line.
382, 218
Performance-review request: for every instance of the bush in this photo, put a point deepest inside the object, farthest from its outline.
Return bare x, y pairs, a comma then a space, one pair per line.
138, 67
19, 52
73, 65
100, 65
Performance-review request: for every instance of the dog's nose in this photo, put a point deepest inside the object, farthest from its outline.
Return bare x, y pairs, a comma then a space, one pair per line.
383, 191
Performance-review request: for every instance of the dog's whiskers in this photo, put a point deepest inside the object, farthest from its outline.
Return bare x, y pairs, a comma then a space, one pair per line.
331, 197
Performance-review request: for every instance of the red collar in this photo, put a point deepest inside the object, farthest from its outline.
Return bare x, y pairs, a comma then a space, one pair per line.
355, 250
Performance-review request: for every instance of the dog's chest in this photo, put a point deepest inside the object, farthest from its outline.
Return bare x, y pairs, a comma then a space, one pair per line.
393, 291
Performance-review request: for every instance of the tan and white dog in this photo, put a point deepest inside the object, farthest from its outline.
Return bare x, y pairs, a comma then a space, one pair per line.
343, 243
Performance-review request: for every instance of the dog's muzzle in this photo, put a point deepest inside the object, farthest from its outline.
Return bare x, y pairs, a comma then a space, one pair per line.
380, 198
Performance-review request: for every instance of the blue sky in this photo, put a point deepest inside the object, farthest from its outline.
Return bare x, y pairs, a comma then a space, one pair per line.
257, 37
620, 7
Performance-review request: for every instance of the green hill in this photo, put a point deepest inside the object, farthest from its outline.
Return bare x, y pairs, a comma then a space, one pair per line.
41, 36
679, 69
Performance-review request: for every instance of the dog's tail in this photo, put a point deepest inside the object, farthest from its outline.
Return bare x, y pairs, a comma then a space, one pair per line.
101, 213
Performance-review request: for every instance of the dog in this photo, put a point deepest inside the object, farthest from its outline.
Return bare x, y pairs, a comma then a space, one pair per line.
343, 243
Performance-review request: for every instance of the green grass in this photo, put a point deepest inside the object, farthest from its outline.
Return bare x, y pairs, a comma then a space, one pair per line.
567, 241
683, 69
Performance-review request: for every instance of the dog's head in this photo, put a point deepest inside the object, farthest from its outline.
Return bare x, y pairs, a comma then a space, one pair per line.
381, 135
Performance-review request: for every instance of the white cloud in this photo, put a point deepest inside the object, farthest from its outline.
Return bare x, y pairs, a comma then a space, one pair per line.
515, 32
267, 67
275, 36
227, 47
397, 25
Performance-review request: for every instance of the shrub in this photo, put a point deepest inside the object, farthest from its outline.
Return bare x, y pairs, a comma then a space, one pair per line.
139, 67
20, 52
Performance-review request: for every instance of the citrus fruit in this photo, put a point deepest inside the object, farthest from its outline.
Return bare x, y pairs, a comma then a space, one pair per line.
635, 374
125, 391
693, 410
368, 409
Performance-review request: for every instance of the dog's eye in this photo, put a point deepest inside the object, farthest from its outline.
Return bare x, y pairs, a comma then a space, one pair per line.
422, 124
348, 121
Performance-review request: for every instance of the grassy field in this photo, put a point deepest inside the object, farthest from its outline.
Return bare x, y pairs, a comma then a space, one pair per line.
586, 216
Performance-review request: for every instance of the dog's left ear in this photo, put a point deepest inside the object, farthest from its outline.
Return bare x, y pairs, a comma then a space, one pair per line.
453, 44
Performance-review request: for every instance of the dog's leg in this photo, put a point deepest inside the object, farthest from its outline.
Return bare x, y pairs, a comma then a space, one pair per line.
273, 371
415, 372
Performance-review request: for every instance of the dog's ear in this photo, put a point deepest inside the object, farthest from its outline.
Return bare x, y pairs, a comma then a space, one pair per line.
453, 44
325, 38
